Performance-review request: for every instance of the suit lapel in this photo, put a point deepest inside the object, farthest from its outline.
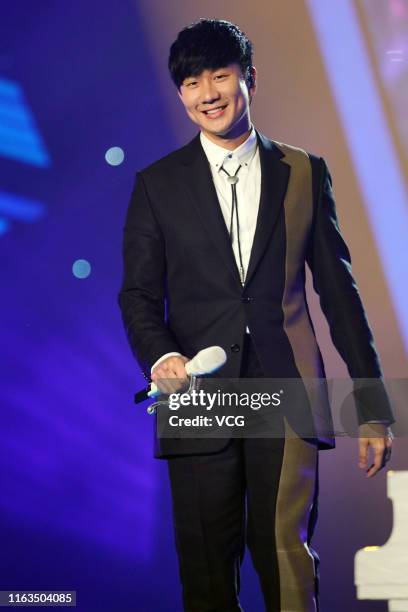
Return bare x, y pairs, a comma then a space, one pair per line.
274, 182
198, 181
200, 186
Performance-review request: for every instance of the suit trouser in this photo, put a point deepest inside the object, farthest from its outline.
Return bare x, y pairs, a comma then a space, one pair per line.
267, 487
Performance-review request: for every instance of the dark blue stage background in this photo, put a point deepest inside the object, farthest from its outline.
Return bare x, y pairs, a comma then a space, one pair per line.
83, 505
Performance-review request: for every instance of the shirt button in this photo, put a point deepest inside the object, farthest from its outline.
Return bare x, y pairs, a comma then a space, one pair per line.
246, 299
235, 348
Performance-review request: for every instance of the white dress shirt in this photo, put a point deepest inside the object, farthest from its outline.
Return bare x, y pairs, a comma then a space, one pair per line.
248, 190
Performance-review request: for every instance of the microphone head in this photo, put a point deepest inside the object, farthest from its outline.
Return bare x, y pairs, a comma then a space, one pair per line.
206, 361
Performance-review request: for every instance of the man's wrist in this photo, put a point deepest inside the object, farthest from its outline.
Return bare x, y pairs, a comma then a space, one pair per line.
373, 429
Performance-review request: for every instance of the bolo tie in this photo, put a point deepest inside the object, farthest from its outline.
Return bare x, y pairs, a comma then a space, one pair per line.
233, 180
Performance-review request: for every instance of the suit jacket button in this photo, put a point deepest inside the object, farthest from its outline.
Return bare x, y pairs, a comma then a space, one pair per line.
235, 348
247, 299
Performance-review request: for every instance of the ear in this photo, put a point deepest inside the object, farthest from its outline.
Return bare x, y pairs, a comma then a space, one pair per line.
254, 74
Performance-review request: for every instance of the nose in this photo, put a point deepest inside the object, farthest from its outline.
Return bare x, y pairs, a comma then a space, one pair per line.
209, 93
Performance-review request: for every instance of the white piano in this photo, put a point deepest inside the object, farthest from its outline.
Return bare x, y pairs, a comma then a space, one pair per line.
381, 572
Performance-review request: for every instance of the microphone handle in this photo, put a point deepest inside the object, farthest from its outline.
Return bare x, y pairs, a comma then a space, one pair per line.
144, 394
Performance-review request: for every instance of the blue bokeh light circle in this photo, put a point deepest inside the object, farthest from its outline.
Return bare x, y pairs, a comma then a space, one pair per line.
81, 268
115, 156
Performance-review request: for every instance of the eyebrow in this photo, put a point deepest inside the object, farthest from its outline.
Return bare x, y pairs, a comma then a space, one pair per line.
222, 69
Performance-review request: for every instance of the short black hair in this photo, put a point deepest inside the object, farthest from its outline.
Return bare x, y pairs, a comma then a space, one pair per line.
209, 44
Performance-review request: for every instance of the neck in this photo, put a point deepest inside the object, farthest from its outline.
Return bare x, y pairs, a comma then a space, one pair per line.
230, 140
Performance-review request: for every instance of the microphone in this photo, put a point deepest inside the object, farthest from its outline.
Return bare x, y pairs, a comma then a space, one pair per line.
206, 361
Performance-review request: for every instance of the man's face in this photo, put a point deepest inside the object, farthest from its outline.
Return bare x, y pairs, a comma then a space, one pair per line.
218, 101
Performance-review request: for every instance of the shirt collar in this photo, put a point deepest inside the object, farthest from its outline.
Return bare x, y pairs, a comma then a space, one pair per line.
217, 155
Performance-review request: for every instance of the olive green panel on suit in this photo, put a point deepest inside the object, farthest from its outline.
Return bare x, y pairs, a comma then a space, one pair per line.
298, 211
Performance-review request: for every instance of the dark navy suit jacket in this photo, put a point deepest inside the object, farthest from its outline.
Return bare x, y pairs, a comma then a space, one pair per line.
181, 288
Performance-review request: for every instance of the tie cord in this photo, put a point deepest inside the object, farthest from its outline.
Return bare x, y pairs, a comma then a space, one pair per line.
233, 180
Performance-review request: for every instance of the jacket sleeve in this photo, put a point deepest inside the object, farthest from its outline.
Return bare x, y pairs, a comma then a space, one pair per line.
142, 294
330, 263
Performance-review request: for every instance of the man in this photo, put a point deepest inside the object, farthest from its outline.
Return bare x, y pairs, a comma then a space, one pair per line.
220, 231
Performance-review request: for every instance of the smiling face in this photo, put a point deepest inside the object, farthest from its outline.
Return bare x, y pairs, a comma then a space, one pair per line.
218, 102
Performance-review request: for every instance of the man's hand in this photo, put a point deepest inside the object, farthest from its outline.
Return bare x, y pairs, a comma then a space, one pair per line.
170, 375
379, 437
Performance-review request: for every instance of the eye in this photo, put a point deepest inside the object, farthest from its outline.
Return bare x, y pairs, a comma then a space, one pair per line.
221, 76
191, 83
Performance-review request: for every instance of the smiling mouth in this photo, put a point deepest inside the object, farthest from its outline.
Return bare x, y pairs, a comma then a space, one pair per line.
215, 111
